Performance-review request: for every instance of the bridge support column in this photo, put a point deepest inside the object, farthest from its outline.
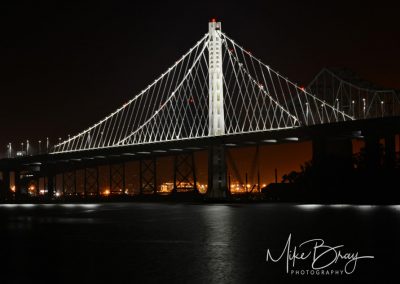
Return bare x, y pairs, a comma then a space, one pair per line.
372, 151
148, 175
75, 183
329, 150
85, 182
91, 181
5, 186
63, 183
332, 167
217, 173
38, 187
69, 182
117, 178
184, 172
390, 151
50, 184
17, 184
50, 174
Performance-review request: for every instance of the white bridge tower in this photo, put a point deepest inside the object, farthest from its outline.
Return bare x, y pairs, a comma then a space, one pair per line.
216, 90
217, 173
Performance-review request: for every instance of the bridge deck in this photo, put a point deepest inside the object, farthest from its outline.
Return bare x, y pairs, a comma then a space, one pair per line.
350, 129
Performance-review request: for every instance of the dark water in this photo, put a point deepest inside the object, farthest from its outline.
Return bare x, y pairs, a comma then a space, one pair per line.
189, 243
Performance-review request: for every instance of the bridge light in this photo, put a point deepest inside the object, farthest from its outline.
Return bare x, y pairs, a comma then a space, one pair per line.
352, 102
381, 102
292, 139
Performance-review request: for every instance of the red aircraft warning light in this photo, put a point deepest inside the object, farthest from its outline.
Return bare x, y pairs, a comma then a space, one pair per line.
213, 20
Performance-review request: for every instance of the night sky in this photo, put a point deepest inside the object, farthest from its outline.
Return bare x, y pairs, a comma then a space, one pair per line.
65, 66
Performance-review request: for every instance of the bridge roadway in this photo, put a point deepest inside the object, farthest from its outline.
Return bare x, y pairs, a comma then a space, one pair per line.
370, 129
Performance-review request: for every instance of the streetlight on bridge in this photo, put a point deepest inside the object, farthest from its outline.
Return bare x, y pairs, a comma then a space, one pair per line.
9, 150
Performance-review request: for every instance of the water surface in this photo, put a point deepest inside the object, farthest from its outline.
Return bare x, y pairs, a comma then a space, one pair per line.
187, 243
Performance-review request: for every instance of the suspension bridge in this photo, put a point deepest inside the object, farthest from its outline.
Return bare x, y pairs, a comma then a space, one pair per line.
217, 95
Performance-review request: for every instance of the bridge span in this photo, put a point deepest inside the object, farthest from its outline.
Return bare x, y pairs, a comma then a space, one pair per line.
334, 139
216, 96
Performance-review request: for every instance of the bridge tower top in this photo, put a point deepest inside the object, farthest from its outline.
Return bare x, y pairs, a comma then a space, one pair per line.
216, 90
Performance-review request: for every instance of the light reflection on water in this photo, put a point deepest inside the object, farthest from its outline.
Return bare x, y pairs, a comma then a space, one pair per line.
214, 207
338, 206
218, 242
210, 243
49, 205
309, 206
395, 208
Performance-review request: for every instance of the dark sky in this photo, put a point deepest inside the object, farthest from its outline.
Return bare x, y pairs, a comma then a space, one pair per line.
65, 66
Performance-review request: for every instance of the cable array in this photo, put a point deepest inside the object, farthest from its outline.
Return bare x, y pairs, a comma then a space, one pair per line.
175, 106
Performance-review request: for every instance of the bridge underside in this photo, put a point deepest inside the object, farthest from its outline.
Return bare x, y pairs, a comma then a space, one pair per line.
324, 137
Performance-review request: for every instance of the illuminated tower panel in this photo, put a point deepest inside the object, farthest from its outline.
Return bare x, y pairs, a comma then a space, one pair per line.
216, 90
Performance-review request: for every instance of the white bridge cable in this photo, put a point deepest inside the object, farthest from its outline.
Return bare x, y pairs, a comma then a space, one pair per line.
153, 101
171, 114
116, 126
254, 103
318, 112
